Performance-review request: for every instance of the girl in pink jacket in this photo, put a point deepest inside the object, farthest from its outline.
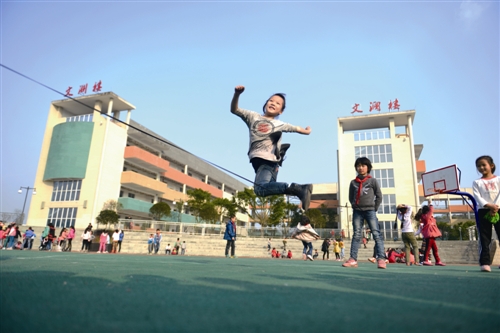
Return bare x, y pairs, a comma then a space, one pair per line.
430, 232
102, 242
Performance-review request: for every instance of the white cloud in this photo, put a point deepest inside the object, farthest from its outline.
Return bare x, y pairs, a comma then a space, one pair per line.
470, 11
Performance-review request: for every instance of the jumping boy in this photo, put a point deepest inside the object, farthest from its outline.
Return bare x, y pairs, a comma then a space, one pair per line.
266, 152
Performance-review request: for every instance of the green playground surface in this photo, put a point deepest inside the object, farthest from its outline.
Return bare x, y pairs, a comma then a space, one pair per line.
79, 292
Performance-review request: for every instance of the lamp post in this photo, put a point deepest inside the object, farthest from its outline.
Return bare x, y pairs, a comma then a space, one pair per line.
25, 198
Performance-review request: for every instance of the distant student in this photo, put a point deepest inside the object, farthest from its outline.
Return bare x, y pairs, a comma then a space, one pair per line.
168, 249
269, 245
305, 233
289, 255
430, 232
103, 240
487, 194
157, 240
151, 244
177, 245
273, 253
365, 198
183, 248
325, 248
407, 233
316, 254
266, 152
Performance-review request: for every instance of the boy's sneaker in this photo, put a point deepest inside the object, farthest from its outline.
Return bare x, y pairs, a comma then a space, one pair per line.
350, 263
227, 255
381, 263
485, 268
372, 260
303, 192
439, 263
310, 257
427, 263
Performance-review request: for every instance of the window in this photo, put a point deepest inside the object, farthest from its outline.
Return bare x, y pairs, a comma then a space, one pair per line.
388, 205
62, 217
121, 194
376, 154
83, 117
66, 190
131, 195
387, 231
372, 135
385, 177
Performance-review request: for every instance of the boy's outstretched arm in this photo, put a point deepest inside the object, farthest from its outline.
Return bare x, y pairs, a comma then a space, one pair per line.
238, 90
305, 131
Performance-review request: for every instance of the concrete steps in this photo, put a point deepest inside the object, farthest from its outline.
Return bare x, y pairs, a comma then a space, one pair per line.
451, 252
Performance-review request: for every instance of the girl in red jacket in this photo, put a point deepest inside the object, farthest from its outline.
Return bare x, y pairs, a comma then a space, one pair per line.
430, 232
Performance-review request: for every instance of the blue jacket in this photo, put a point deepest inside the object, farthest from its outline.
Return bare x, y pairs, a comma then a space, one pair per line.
230, 231
29, 234
121, 236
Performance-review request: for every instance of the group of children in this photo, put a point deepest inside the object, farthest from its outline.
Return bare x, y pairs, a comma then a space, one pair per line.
105, 240
154, 243
266, 153
284, 254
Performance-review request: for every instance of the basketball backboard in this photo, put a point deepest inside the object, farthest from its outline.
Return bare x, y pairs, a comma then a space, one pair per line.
441, 180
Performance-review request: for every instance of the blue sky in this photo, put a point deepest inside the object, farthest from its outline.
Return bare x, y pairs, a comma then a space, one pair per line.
178, 63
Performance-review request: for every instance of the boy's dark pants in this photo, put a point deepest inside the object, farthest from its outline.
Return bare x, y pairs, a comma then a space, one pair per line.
230, 243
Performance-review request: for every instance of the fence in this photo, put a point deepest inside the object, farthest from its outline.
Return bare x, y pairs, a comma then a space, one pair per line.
212, 229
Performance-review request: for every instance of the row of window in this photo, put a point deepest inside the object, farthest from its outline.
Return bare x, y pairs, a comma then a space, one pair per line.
376, 154
84, 117
62, 217
66, 190
372, 135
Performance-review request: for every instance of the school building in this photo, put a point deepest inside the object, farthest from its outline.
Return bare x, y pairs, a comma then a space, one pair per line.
387, 140
88, 158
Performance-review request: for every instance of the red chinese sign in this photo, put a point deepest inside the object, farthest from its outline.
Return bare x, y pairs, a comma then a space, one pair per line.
375, 106
355, 108
83, 89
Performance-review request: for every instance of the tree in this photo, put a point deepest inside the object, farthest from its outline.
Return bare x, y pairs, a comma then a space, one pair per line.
454, 231
112, 205
200, 203
317, 219
107, 217
159, 210
226, 207
265, 210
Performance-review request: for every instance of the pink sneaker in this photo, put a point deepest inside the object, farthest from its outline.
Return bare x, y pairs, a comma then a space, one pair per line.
439, 263
485, 268
427, 263
350, 263
372, 260
381, 263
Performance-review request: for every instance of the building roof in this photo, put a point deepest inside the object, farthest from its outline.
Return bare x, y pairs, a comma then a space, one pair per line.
380, 120
85, 104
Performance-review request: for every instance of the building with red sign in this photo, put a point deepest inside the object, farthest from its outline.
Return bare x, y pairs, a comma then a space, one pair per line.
88, 158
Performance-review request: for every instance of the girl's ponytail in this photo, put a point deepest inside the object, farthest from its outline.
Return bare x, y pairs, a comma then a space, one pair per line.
418, 215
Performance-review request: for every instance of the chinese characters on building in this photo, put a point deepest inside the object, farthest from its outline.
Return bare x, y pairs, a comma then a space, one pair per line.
83, 89
375, 106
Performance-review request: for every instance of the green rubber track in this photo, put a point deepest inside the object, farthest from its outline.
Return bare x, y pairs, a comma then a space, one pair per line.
75, 292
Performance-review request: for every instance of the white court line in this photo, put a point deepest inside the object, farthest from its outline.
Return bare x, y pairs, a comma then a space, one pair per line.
36, 257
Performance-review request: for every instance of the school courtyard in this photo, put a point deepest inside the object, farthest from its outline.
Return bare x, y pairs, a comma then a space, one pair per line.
88, 292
